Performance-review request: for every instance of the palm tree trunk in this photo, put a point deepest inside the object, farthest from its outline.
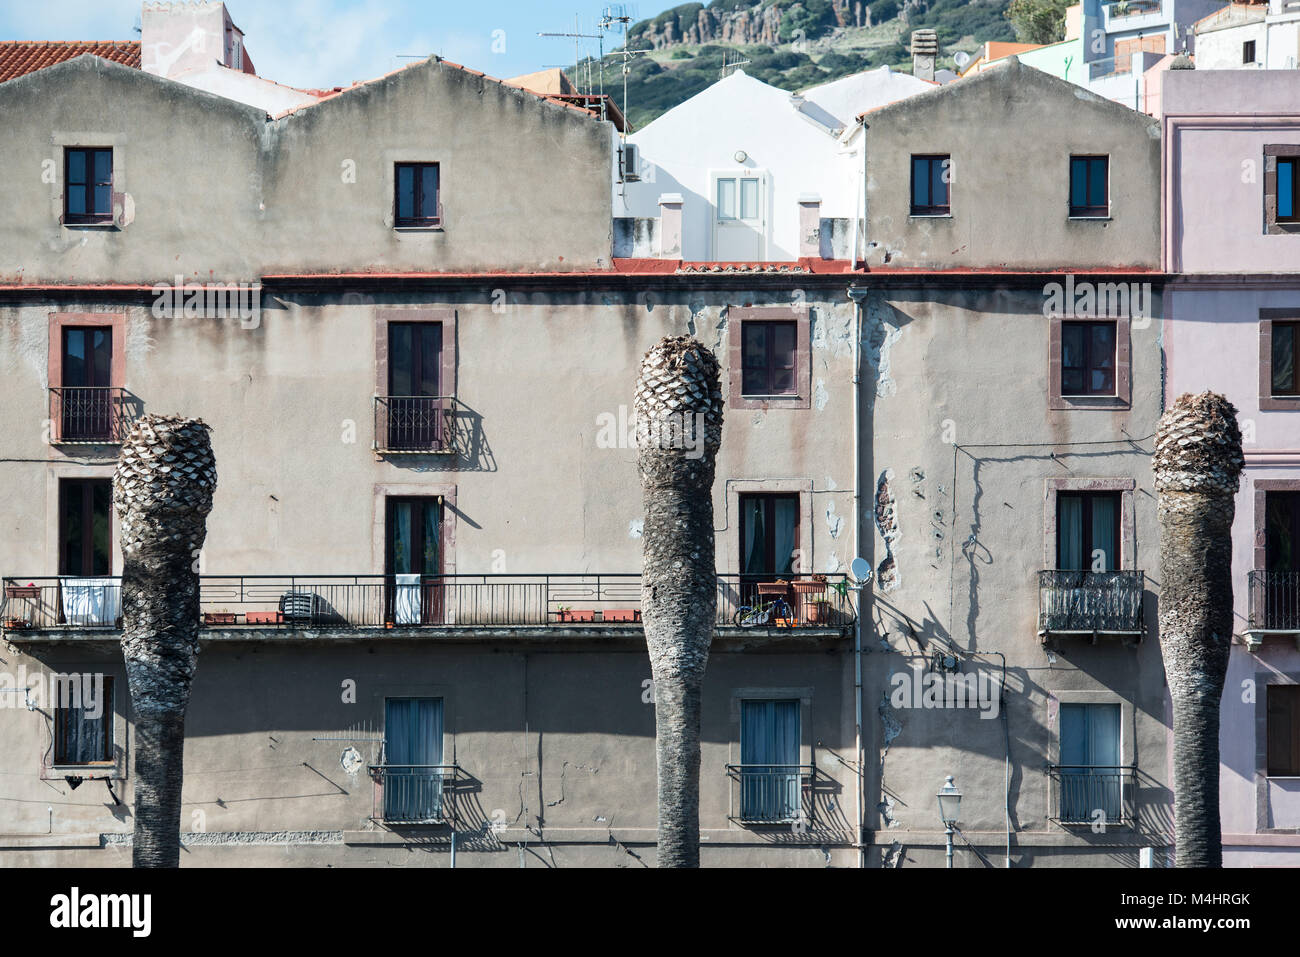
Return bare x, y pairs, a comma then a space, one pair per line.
679, 429
162, 492
1197, 466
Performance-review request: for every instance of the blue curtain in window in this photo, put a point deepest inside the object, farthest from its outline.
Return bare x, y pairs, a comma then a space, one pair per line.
1069, 533
1103, 533
769, 753
1090, 754
412, 742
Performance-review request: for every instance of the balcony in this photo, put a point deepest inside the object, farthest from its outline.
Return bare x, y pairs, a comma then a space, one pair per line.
1274, 609
91, 415
1092, 795
415, 425
772, 793
413, 793
1090, 604
256, 607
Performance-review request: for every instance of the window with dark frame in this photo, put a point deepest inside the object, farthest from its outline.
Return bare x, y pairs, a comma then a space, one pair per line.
87, 185
83, 729
417, 201
1248, 52
1288, 195
1283, 707
1285, 379
769, 357
930, 178
1089, 185
1088, 358
769, 535
1088, 529
85, 527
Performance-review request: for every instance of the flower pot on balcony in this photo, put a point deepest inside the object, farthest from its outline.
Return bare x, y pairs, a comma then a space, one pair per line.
220, 618
576, 615
810, 586
773, 588
264, 618
620, 614
817, 612
16, 624
22, 591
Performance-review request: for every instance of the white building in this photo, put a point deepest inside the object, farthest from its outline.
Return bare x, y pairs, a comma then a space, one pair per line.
1245, 36
746, 172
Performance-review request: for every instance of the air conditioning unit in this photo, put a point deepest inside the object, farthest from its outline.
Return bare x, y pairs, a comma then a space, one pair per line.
629, 163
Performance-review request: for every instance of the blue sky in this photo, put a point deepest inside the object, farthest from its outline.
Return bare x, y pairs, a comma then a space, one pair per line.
319, 43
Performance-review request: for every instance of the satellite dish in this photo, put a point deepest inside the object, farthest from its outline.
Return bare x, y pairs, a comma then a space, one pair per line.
861, 571
961, 58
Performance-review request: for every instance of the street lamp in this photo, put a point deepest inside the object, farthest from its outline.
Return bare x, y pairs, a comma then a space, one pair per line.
949, 806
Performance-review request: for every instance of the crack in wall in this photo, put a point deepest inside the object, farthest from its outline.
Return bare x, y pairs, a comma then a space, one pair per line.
892, 728
887, 525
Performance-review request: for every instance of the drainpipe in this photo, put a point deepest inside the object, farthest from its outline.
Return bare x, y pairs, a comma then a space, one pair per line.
856, 296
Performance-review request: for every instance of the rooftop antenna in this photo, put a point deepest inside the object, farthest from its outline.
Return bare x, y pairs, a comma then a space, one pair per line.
619, 13
578, 37
730, 66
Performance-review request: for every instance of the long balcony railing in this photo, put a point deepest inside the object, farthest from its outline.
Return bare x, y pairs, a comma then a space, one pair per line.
415, 424
1093, 794
1090, 603
406, 601
90, 414
1274, 601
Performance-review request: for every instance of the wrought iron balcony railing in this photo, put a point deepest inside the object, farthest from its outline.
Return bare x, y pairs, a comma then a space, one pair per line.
1090, 603
1274, 601
773, 793
1092, 794
344, 602
412, 793
415, 424
90, 414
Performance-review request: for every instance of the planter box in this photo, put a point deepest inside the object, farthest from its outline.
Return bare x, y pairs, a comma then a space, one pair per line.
16, 624
22, 591
620, 614
576, 616
264, 618
773, 588
220, 618
809, 588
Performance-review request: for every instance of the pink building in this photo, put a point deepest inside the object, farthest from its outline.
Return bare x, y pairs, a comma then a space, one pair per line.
1231, 231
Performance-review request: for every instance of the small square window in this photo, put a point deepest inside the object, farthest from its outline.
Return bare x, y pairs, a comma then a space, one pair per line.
931, 177
1089, 192
1087, 358
87, 186
83, 728
418, 201
769, 357
1283, 704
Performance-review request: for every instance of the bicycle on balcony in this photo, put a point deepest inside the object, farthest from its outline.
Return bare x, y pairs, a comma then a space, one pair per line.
763, 613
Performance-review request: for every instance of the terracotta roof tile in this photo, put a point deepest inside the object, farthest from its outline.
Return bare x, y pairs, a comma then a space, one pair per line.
20, 57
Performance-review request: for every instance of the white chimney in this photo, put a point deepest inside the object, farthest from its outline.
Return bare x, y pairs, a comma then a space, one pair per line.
178, 38
925, 49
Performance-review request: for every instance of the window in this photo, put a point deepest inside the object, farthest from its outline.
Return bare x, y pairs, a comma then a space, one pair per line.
1283, 703
416, 415
769, 761
1088, 531
413, 560
930, 179
1088, 358
1090, 773
86, 397
770, 354
412, 760
1248, 52
417, 202
88, 186
1089, 186
83, 723
84, 526
769, 536
1283, 359
1287, 211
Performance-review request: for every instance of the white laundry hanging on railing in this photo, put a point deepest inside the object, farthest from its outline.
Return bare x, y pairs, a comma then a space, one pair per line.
407, 601
91, 601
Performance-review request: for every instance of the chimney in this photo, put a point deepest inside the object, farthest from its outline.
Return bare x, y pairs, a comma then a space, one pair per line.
670, 226
925, 48
180, 38
810, 220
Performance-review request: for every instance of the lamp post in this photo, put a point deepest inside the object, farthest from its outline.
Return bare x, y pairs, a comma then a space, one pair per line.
949, 806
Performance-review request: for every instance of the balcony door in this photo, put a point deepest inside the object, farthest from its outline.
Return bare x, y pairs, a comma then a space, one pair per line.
1090, 762
416, 413
85, 529
412, 756
769, 758
86, 405
1087, 531
1282, 560
413, 560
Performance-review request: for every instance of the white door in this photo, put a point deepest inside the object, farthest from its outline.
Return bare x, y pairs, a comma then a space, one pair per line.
739, 216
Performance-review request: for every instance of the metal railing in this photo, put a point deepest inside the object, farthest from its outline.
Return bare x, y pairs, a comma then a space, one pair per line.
1093, 794
415, 423
1274, 600
90, 414
1076, 602
411, 793
772, 793
397, 602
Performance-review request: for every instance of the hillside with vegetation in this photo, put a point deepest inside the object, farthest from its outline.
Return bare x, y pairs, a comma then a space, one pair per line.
792, 44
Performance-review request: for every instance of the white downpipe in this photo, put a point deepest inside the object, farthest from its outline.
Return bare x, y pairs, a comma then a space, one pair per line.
857, 550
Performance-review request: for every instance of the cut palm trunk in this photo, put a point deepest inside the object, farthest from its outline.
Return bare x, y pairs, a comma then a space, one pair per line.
162, 492
679, 429
1197, 466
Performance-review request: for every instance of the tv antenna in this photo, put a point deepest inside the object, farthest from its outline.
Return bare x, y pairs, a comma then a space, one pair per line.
578, 36
730, 66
